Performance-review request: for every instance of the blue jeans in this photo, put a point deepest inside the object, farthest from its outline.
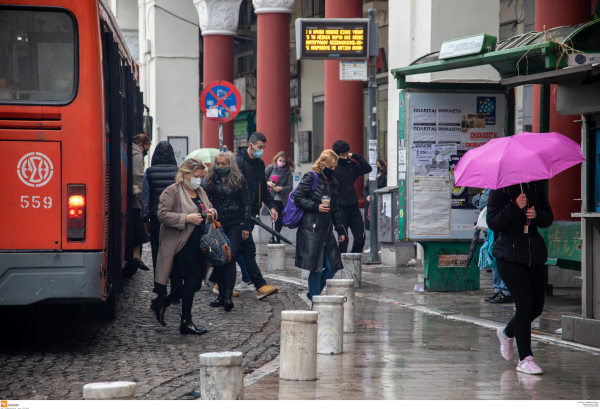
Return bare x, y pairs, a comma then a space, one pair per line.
318, 279
499, 285
245, 276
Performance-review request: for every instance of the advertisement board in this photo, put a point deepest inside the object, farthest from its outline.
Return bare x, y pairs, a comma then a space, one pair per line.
332, 39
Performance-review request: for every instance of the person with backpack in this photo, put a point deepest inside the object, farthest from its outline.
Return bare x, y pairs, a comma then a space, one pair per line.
282, 167
316, 248
514, 214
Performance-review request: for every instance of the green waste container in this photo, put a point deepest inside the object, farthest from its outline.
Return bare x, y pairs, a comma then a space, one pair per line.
444, 266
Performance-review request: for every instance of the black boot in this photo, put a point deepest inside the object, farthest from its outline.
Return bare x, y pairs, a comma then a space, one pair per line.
188, 327
272, 240
159, 306
228, 304
220, 301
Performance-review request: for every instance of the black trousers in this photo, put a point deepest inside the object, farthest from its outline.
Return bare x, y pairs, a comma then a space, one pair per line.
248, 250
352, 218
279, 223
186, 293
154, 240
224, 275
528, 289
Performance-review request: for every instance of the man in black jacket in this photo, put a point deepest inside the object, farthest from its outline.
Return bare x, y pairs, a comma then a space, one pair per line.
346, 174
253, 168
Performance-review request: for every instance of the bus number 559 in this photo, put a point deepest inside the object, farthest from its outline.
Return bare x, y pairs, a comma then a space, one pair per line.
35, 202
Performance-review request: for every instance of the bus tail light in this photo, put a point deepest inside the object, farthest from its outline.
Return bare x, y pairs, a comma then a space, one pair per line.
76, 212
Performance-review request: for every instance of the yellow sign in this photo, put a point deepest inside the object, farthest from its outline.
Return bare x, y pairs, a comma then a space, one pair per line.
332, 38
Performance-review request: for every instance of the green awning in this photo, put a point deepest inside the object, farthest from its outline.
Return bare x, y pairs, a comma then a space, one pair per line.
526, 54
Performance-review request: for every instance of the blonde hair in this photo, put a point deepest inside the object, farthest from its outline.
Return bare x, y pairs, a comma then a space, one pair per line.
328, 158
234, 179
189, 166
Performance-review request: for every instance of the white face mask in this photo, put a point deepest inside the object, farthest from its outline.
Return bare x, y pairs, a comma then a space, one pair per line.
194, 183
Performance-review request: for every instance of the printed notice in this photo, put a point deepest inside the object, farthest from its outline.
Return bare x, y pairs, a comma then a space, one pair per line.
449, 125
386, 205
424, 124
431, 206
402, 156
423, 153
373, 159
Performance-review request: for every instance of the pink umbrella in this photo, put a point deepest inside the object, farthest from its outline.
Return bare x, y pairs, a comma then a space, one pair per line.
516, 159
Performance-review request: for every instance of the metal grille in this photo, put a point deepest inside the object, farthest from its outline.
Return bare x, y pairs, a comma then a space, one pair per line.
313, 8
105, 245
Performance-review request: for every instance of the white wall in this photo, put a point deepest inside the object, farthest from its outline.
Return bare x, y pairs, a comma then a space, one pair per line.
169, 74
312, 77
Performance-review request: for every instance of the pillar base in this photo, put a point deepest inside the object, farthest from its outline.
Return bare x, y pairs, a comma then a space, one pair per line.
584, 331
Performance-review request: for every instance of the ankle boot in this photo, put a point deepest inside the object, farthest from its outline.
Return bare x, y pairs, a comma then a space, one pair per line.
159, 306
228, 302
220, 301
188, 327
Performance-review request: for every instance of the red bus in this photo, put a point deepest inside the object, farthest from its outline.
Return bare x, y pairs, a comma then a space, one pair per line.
69, 106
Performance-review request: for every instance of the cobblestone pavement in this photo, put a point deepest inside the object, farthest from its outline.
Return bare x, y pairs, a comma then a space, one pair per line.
51, 351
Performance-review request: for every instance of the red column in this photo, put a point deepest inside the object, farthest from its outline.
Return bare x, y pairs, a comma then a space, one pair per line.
566, 186
273, 82
343, 99
218, 65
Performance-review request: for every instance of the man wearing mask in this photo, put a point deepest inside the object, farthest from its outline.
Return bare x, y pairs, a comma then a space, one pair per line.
253, 168
346, 174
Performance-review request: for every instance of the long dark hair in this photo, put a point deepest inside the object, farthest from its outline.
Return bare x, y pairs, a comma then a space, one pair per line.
288, 160
234, 179
383, 166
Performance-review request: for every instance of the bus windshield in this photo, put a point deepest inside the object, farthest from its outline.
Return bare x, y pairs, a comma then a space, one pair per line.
37, 56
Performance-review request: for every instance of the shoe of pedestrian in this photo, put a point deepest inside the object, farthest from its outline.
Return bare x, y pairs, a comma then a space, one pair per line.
243, 286
501, 299
506, 345
188, 327
228, 302
367, 251
272, 240
139, 264
159, 306
215, 289
176, 302
308, 295
492, 297
220, 301
528, 366
265, 291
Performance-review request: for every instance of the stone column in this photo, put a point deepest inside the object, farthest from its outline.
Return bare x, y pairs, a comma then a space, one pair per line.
352, 267
345, 288
276, 257
109, 391
330, 337
273, 74
218, 22
298, 356
222, 376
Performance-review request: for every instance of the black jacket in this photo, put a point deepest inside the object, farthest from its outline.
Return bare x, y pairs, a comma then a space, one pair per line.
507, 221
346, 174
160, 175
233, 207
254, 172
315, 233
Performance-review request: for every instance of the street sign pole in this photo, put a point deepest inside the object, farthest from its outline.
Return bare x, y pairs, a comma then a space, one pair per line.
220, 136
373, 52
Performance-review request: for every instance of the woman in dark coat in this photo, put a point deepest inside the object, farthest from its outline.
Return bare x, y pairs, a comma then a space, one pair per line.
228, 191
316, 248
514, 214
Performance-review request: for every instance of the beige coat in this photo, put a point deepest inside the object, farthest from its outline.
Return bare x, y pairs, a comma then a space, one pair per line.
175, 205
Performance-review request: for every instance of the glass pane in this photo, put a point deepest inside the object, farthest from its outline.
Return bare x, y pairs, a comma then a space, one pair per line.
37, 56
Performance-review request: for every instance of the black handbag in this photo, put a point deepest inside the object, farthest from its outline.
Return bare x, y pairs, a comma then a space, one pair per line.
214, 245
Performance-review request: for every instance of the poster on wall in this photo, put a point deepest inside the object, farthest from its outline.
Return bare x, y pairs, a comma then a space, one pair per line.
180, 147
430, 206
304, 146
462, 197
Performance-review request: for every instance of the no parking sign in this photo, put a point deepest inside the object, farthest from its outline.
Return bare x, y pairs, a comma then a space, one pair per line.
220, 101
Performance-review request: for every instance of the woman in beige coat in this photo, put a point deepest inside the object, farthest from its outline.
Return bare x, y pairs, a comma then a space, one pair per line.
184, 210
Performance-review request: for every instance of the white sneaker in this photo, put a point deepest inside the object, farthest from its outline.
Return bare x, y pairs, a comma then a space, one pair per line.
528, 366
244, 286
367, 251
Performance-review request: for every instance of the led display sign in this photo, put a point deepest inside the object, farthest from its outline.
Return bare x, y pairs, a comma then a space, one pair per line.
332, 39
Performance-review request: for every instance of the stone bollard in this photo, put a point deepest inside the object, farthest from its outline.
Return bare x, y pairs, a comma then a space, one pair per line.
276, 257
352, 267
109, 391
345, 288
298, 356
330, 337
221, 376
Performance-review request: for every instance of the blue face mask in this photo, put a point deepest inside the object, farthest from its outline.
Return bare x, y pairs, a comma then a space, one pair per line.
257, 153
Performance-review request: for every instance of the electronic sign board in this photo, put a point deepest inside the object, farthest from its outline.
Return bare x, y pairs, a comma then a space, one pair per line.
332, 39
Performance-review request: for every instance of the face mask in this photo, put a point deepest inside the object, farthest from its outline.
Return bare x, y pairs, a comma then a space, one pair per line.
281, 164
344, 161
257, 153
194, 183
145, 152
328, 172
224, 171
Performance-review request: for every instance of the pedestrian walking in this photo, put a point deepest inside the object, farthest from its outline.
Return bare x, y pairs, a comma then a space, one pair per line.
381, 182
140, 147
227, 188
253, 168
514, 214
316, 248
184, 210
281, 168
346, 174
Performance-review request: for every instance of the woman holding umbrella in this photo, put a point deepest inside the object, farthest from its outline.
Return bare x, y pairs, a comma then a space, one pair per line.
514, 214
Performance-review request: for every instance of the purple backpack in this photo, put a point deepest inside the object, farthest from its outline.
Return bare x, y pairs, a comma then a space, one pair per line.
292, 214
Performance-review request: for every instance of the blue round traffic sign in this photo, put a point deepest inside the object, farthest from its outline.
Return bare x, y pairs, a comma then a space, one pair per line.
220, 101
